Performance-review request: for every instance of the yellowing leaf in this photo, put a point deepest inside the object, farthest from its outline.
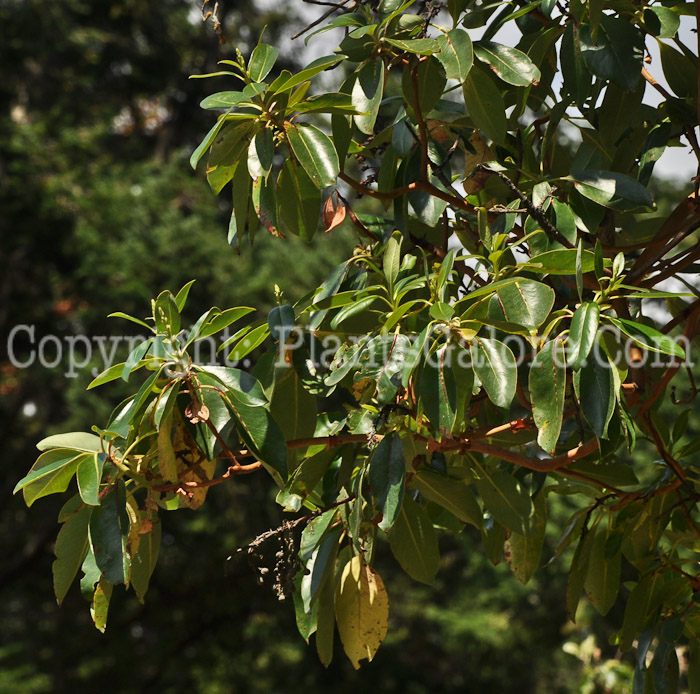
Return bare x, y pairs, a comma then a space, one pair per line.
361, 610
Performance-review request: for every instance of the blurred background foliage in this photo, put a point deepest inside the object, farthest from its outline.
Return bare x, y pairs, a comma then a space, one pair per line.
100, 211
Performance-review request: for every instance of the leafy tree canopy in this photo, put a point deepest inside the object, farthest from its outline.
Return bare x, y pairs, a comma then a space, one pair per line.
487, 347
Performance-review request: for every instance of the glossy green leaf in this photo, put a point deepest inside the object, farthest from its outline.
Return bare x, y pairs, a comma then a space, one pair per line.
320, 566
315, 152
577, 77
525, 302
506, 500
263, 436
293, 407
331, 102
456, 54
76, 440
144, 561
647, 337
438, 392
299, 201
262, 60
414, 544
70, 550
166, 314
261, 154
89, 476
611, 189
485, 105
616, 54
602, 582
562, 261
265, 204
584, 328
547, 385
207, 142
383, 361
427, 87
387, 477
451, 494
594, 388
510, 64
109, 532
223, 100
367, 94
495, 366
523, 552
50, 474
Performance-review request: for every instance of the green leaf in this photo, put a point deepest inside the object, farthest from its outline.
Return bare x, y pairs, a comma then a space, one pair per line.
383, 360
223, 100
415, 46
223, 320
89, 476
437, 391
261, 61
680, 71
495, 366
485, 105
137, 354
76, 440
451, 494
611, 189
241, 193
71, 547
207, 141
575, 73
523, 552
331, 102
617, 54
100, 603
299, 201
315, 152
661, 21
392, 260
361, 610
430, 82
577, 574
506, 500
414, 544
325, 629
145, 559
166, 314
602, 582
547, 384
584, 328
50, 474
456, 54
262, 435
109, 532
111, 374
284, 84
319, 568
510, 64
261, 154
562, 261
594, 388
525, 302
387, 477
265, 204
647, 337
293, 407
367, 94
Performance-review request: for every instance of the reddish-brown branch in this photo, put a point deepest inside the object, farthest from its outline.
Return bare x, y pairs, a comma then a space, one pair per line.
232, 471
